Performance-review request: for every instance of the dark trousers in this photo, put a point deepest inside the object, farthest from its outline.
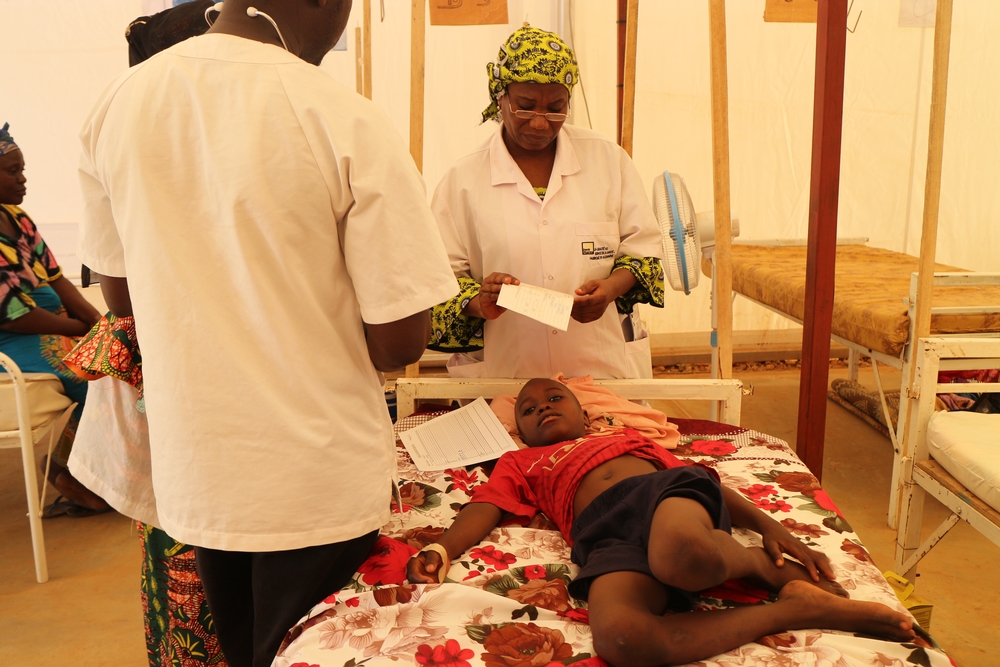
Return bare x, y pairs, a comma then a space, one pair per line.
256, 597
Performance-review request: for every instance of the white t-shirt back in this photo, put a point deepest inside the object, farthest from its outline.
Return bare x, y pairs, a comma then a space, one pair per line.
260, 212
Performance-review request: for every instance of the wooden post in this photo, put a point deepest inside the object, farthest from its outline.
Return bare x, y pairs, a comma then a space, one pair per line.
932, 184
367, 51
828, 115
928, 234
723, 283
359, 67
620, 30
417, 29
628, 89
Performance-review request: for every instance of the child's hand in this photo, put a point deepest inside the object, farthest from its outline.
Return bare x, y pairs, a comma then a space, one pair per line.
423, 568
778, 542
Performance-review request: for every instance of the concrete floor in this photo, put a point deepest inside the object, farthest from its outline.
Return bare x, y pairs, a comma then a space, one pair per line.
89, 611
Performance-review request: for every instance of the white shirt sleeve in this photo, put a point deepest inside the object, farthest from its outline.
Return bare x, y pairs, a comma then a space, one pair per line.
388, 234
640, 233
99, 246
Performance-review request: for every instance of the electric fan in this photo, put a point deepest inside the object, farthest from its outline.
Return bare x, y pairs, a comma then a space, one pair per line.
679, 227
686, 235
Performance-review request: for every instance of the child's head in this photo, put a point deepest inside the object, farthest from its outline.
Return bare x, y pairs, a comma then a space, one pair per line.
547, 412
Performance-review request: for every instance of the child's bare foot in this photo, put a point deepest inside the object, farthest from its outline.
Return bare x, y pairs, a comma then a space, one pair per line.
819, 609
776, 578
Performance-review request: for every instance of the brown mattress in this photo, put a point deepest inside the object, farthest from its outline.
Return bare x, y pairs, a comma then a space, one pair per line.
871, 285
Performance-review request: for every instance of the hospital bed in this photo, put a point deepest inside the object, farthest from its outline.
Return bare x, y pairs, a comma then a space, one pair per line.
953, 456
505, 602
874, 307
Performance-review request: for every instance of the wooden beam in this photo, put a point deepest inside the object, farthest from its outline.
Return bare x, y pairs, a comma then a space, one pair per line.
359, 67
723, 281
417, 54
824, 191
932, 183
620, 29
628, 89
367, 49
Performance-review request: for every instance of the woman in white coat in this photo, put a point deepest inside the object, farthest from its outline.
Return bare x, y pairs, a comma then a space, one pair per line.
551, 205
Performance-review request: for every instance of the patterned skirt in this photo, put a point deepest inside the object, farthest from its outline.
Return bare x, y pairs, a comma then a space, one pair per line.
179, 627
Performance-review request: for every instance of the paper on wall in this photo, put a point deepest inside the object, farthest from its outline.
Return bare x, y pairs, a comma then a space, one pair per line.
471, 434
545, 305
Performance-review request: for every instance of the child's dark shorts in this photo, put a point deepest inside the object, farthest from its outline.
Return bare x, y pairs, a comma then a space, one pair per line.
612, 533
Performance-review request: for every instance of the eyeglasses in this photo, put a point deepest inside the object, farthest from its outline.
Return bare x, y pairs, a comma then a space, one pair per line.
525, 114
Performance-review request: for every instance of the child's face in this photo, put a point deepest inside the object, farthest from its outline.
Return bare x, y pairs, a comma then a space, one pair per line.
547, 412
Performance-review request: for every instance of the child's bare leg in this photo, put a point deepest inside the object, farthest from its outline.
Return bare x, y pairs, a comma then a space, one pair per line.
686, 551
629, 630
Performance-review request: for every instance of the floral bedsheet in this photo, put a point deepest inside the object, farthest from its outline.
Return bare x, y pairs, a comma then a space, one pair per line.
505, 601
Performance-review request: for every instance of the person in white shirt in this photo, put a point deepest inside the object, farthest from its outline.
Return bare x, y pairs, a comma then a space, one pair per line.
555, 206
271, 236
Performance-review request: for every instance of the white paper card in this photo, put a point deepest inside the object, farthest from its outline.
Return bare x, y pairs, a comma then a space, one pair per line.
471, 434
545, 305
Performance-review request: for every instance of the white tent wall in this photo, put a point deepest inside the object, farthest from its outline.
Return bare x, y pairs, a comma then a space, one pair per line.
771, 70
59, 55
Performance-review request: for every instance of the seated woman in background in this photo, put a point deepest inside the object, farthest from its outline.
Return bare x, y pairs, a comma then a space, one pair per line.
40, 313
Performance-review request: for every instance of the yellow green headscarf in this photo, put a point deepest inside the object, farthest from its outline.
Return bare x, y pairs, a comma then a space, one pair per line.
530, 55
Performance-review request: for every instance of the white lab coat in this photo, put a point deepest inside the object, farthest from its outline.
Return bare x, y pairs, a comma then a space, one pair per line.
595, 210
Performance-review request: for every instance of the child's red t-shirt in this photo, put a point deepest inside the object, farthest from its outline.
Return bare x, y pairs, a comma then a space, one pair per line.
546, 478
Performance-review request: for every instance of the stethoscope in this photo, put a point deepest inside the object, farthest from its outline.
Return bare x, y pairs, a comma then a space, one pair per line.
252, 12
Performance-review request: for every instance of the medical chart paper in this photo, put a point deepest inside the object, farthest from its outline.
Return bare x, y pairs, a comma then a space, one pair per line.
545, 305
471, 434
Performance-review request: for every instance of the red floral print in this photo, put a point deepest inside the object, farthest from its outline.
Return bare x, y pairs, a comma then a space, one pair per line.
713, 447
796, 528
824, 501
387, 562
773, 505
449, 654
534, 572
462, 478
758, 491
492, 556
353, 602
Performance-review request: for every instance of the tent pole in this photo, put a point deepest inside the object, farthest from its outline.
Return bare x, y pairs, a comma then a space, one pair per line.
928, 233
828, 115
366, 54
723, 281
932, 185
417, 29
628, 89
359, 67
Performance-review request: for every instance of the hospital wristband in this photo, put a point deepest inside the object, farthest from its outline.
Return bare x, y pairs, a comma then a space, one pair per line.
445, 559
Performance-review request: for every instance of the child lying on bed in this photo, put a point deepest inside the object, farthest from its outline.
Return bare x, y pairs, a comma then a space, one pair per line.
648, 531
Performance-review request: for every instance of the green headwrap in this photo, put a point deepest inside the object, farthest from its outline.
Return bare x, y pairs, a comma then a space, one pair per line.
530, 55
7, 144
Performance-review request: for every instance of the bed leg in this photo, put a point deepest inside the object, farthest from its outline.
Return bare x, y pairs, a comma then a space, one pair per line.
853, 357
910, 519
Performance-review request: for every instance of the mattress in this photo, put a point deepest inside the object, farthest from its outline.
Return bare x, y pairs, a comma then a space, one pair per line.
967, 445
871, 286
505, 602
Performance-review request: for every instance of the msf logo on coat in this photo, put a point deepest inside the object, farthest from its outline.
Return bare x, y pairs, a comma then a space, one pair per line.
595, 252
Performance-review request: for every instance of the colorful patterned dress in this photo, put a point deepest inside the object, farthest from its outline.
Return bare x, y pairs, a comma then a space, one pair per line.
27, 267
178, 623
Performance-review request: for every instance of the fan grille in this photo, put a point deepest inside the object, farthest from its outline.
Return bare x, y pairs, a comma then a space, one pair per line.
677, 269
